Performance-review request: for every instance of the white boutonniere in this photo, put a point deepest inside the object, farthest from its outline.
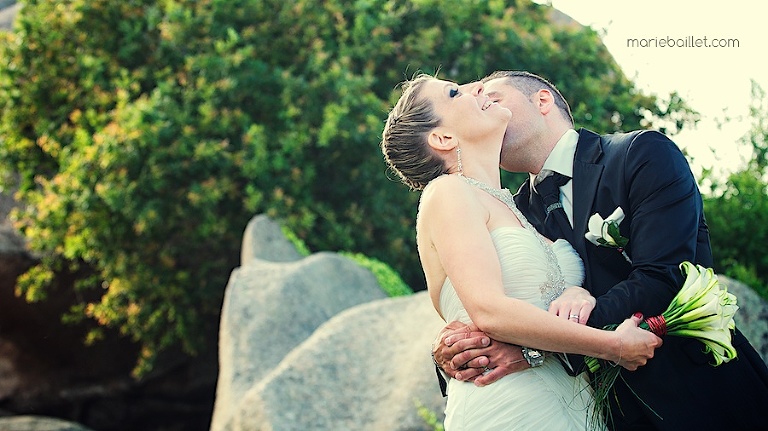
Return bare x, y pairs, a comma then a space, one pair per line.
605, 233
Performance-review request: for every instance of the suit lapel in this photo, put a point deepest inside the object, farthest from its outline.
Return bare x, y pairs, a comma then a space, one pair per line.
586, 177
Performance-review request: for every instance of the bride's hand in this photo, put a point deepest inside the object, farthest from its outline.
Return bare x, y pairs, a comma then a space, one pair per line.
574, 304
637, 345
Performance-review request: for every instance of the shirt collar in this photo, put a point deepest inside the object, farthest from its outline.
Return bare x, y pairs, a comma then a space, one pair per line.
561, 158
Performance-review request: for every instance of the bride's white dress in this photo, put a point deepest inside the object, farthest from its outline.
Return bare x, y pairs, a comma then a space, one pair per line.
541, 398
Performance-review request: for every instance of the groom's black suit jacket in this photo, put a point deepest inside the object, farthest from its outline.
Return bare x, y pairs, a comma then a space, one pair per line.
645, 174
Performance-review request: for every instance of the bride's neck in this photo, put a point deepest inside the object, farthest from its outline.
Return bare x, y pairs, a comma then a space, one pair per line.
480, 160
487, 174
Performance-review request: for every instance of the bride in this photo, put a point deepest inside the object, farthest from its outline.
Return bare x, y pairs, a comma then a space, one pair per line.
485, 264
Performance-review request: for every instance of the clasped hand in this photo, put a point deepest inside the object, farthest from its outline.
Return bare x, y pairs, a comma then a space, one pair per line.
468, 354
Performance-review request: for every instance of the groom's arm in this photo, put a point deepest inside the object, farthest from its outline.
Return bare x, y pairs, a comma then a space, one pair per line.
665, 209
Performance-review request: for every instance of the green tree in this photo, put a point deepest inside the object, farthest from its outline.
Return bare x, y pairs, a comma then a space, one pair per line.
737, 209
143, 134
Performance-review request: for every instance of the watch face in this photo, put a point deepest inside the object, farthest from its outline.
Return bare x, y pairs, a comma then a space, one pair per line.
534, 357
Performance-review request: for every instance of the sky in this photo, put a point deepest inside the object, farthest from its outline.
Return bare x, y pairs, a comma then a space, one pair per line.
715, 81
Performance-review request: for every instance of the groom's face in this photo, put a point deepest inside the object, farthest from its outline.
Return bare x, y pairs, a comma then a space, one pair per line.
520, 137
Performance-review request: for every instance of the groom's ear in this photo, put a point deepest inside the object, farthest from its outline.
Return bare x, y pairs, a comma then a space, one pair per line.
441, 141
545, 101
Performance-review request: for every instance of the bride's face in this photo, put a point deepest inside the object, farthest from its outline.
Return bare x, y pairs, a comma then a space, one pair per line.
465, 110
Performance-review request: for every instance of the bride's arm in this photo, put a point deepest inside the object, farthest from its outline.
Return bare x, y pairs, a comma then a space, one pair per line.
455, 223
465, 353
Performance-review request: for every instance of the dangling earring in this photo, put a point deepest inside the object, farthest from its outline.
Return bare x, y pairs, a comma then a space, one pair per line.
458, 161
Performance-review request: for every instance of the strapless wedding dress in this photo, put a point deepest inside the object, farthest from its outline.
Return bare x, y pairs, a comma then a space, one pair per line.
541, 398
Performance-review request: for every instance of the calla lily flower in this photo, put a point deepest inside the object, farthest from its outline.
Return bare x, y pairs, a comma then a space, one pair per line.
606, 232
599, 232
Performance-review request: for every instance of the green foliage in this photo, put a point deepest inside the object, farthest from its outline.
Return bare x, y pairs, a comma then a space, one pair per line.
737, 214
297, 242
142, 135
429, 416
748, 276
737, 210
388, 279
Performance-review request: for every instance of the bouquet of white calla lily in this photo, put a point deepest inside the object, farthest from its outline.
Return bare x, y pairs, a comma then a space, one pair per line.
703, 309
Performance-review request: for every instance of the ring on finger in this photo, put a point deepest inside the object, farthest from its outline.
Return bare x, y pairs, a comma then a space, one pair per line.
574, 316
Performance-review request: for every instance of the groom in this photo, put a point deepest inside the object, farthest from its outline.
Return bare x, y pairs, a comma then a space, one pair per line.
646, 175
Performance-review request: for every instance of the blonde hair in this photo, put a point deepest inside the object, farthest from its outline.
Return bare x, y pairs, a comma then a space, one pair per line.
404, 140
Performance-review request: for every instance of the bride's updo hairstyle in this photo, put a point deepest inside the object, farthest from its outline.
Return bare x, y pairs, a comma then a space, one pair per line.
404, 140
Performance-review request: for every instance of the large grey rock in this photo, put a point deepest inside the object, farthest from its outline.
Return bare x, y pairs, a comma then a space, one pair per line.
365, 369
38, 423
270, 308
752, 316
263, 239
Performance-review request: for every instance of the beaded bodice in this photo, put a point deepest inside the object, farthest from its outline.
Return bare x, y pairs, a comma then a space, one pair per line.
533, 268
555, 283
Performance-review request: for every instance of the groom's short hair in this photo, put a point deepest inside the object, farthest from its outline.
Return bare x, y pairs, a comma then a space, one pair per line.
529, 83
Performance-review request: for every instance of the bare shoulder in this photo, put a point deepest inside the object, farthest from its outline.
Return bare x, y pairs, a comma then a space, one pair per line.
437, 197
449, 199
446, 189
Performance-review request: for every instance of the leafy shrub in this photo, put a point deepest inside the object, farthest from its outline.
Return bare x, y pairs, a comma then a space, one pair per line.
297, 242
143, 134
429, 417
737, 209
738, 219
388, 279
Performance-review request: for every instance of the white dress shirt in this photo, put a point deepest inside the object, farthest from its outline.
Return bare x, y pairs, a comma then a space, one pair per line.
561, 160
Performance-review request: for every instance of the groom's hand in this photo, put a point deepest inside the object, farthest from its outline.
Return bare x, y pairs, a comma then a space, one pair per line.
458, 350
465, 353
504, 359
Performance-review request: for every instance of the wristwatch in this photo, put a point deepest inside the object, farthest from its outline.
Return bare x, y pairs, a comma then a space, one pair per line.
533, 357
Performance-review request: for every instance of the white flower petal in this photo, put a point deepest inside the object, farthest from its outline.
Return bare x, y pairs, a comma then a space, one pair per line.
595, 224
592, 238
616, 216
